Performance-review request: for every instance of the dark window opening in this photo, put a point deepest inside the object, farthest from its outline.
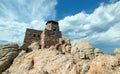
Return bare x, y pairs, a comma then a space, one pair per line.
39, 46
38, 36
54, 29
34, 35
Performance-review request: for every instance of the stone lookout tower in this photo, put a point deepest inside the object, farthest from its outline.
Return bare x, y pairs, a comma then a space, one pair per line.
50, 36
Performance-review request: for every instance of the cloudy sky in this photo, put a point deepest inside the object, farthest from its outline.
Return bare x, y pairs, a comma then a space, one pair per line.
94, 21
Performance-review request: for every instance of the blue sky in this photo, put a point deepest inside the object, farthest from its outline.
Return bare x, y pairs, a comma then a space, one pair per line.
94, 21
70, 7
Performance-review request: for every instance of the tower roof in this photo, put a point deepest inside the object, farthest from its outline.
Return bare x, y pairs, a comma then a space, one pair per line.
51, 21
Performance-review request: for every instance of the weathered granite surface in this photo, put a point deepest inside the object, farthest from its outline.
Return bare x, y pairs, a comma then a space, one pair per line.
7, 54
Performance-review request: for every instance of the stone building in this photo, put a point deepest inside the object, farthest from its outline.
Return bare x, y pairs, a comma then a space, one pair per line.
50, 36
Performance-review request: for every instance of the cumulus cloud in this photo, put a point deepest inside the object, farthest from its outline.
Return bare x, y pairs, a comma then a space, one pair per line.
12, 31
101, 26
17, 15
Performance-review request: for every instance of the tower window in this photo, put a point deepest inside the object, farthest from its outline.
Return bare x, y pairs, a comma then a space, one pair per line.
34, 35
54, 28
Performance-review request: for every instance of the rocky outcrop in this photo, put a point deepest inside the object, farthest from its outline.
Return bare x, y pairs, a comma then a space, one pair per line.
76, 60
43, 61
7, 54
53, 62
30, 48
47, 62
34, 46
98, 52
105, 64
83, 45
117, 52
63, 45
84, 50
82, 67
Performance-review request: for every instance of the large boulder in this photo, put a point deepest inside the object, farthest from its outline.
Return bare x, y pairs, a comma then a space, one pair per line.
63, 46
31, 47
82, 67
85, 50
34, 46
105, 64
82, 45
7, 54
68, 48
98, 52
117, 51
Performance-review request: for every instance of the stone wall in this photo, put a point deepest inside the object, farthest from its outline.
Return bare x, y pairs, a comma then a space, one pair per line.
32, 35
49, 39
50, 36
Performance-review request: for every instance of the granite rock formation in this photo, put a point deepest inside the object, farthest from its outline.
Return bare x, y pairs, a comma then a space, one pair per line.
85, 50
7, 54
105, 64
98, 52
53, 61
117, 51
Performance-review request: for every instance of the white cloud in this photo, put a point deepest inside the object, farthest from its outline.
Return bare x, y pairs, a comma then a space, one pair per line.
13, 31
100, 26
27, 10
9, 31
111, 35
17, 15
